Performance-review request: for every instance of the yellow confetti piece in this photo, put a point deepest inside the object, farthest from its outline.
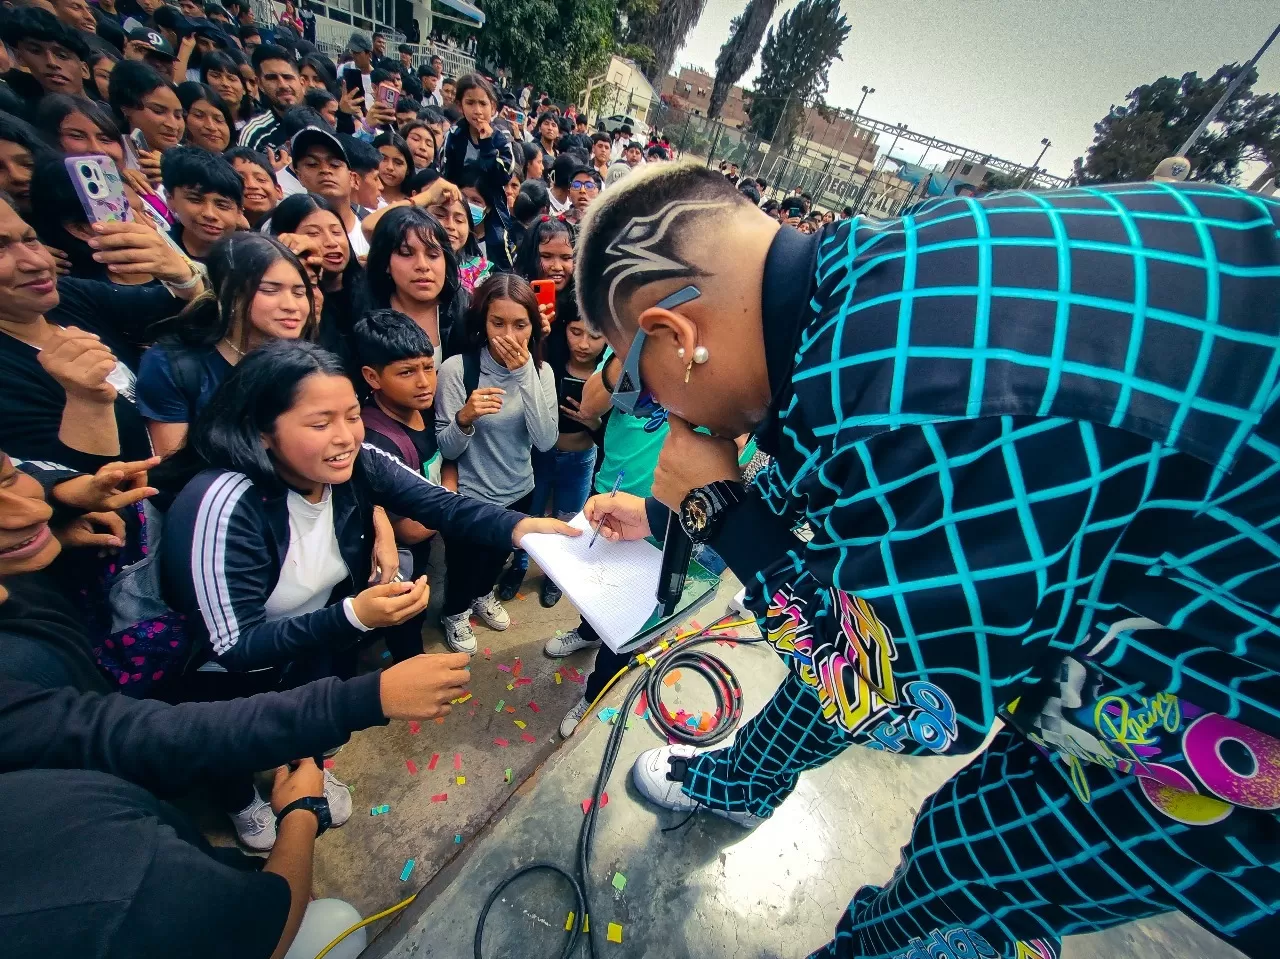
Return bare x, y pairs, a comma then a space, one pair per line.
615, 932
461, 780
586, 923
519, 722
568, 923
557, 679
511, 686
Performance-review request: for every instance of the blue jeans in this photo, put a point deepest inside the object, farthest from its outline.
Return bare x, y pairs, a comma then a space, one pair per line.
561, 481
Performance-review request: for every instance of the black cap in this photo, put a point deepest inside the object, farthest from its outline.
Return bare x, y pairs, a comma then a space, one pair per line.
154, 40
309, 136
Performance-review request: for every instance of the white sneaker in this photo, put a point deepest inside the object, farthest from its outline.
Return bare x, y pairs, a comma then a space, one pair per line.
490, 610
457, 632
659, 773
570, 642
339, 798
573, 717
256, 825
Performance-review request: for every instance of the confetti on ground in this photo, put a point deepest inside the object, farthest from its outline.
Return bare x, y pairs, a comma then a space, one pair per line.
457, 838
457, 760
510, 687
586, 923
527, 738
643, 704
557, 679
440, 797
608, 714
415, 727
407, 870
460, 780
692, 721
410, 765
460, 699
506, 775
487, 651
534, 706
519, 666
386, 654
619, 881
504, 667
511, 709
379, 810
435, 758
498, 708
704, 724
501, 742
439, 720
519, 722
586, 803
568, 923
671, 678
524, 681
615, 932
328, 764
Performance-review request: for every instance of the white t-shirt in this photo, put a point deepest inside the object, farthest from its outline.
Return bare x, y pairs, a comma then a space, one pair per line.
557, 207
313, 566
359, 245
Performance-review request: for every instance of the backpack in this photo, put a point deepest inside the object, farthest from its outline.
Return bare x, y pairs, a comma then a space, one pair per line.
380, 422
471, 371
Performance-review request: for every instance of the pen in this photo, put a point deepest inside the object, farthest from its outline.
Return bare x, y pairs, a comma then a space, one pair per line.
612, 493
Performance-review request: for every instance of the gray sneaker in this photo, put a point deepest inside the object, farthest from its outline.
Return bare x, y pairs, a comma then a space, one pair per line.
457, 632
573, 717
560, 646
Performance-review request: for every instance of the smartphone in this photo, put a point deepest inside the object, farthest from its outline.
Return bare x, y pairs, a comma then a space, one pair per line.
351, 77
139, 140
388, 94
520, 117
101, 190
571, 386
545, 291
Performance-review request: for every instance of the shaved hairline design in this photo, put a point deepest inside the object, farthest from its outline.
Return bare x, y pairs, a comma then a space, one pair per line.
643, 250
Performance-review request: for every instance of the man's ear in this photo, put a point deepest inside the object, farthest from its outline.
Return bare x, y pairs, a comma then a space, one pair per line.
372, 377
669, 330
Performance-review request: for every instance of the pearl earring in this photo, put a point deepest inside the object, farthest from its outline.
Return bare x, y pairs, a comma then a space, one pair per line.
701, 355
680, 352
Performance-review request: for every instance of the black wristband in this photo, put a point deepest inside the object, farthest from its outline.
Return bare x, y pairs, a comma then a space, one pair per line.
317, 805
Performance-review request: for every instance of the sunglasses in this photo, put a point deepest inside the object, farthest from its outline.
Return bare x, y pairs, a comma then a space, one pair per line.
589, 185
629, 394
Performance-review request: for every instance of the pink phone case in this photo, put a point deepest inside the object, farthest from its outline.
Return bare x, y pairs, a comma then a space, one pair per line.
100, 187
389, 95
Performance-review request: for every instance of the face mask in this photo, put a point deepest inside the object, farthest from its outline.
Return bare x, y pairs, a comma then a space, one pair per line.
477, 214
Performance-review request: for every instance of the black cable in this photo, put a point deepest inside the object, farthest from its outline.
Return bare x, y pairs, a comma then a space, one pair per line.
728, 692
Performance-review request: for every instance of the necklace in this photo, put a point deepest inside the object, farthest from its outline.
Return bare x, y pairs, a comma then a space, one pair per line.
231, 346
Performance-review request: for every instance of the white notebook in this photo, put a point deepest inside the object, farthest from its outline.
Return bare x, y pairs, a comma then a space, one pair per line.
614, 585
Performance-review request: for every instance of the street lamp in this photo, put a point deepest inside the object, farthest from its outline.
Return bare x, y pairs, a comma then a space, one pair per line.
853, 125
1044, 146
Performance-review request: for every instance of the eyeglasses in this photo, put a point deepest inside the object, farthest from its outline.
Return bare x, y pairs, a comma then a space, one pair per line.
629, 394
589, 185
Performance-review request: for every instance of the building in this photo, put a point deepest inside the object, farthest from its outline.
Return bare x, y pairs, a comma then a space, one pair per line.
690, 91
963, 171
839, 136
625, 90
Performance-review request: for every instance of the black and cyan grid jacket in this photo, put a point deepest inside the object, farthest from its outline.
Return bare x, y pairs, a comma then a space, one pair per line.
1035, 425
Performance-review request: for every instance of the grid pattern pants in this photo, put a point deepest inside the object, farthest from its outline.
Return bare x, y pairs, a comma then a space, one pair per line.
1004, 859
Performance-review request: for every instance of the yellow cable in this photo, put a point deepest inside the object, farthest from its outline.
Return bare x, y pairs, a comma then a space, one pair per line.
665, 644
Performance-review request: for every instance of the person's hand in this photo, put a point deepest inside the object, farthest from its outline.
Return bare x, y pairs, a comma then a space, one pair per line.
483, 129
61, 262
509, 352
421, 687
381, 115
352, 102
689, 460
481, 402
131, 248
542, 524
386, 558
101, 531
546, 316
439, 192
300, 783
390, 604
278, 157
140, 185
307, 250
624, 515
185, 48
149, 164
80, 363
573, 410
113, 487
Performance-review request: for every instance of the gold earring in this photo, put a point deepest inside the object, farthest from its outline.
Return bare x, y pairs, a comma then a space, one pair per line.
688, 371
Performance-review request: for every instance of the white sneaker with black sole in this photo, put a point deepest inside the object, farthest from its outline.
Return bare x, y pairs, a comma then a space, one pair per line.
573, 717
491, 611
558, 647
457, 632
659, 773
339, 798
256, 825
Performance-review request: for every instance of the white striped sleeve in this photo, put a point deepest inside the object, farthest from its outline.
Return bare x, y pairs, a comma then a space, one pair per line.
208, 559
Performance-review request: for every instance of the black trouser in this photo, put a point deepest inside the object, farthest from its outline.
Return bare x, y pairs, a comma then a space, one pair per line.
472, 570
607, 663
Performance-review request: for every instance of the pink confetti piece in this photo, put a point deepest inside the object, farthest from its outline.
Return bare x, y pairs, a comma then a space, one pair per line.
643, 704
501, 742
410, 765
524, 681
519, 666
586, 803
487, 652
415, 727
328, 764
457, 760
527, 738
534, 706
440, 797
504, 667
435, 758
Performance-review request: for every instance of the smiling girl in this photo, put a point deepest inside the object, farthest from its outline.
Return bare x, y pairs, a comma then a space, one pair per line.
258, 292
147, 102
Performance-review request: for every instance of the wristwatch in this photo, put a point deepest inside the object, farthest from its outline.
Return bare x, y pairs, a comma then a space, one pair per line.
704, 509
314, 804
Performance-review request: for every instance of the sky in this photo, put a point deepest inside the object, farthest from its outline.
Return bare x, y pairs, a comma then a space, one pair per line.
998, 75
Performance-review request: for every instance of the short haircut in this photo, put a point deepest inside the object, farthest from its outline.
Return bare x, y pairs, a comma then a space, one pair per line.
299, 118
131, 80
196, 169
625, 130
405, 48
762, 184
447, 80
601, 138
533, 200
250, 155
16, 130
388, 336
408, 105
792, 206
655, 210
429, 114
362, 156
249, 30
633, 145
378, 75
749, 189
268, 51
36, 23
426, 70
318, 99
474, 81
544, 117
563, 170
659, 153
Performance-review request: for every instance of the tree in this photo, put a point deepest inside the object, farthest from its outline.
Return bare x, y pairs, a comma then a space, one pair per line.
663, 31
1157, 118
793, 68
745, 33
555, 46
